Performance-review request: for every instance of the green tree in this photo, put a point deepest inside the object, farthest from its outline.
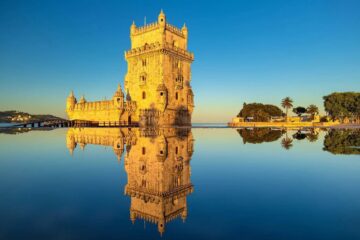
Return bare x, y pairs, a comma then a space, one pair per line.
287, 104
343, 105
299, 111
313, 110
259, 112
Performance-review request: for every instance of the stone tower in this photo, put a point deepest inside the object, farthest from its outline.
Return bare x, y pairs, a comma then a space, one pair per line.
71, 101
158, 76
158, 172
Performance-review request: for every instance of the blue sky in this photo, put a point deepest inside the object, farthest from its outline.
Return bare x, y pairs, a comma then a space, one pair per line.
245, 51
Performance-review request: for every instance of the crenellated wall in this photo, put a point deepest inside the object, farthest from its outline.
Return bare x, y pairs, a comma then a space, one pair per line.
159, 74
101, 111
157, 82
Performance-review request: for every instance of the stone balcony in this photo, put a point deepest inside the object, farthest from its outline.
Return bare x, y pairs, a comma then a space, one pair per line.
153, 47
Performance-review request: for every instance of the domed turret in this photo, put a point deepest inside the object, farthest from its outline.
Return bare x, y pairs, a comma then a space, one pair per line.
184, 214
71, 101
184, 29
132, 217
82, 99
128, 97
70, 143
118, 97
162, 18
161, 226
133, 28
119, 148
119, 92
82, 146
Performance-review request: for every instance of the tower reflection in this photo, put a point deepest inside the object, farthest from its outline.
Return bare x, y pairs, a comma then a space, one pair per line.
157, 163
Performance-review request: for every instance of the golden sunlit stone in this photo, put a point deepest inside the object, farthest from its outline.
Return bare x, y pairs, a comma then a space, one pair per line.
157, 83
157, 163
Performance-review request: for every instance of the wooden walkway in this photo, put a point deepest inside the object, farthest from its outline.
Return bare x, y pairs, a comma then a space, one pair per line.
72, 123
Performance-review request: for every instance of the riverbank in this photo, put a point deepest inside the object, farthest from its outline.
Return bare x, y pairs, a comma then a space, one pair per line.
292, 124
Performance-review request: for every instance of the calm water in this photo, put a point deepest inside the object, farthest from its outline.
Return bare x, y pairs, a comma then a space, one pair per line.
113, 183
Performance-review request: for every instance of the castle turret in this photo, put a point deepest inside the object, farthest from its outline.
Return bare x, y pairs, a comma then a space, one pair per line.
128, 97
159, 74
184, 31
161, 226
133, 28
70, 102
162, 19
70, 143
82, 99
118, 147
184, 214
132, 216
118, 97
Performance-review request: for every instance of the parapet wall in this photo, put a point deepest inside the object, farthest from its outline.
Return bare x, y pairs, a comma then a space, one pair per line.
157, 47
282, 124
155, 26
102, 111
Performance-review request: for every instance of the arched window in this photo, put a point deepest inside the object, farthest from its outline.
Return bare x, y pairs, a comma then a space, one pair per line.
142, 78
143, 151
143, 95
176, 95
144, 62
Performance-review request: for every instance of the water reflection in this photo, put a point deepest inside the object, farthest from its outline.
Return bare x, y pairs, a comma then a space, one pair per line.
157, 163
337, 141
259, 135
342, 142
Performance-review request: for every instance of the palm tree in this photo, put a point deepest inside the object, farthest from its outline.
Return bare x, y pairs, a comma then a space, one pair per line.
286, 142
287, 103
313, 110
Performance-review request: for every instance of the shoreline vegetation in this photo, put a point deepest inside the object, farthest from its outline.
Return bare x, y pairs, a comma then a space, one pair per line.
13, 116
342, 110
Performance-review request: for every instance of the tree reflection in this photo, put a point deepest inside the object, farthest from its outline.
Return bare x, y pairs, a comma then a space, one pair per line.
259, 135
342, 141
286, 143
311, 135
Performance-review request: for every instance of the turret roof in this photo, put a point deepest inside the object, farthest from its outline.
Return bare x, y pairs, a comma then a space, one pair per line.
119, 92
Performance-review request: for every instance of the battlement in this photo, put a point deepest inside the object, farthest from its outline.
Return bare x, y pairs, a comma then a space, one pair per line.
158, 77
97, 105
174, 29
103, 105
145, 28
155, 26
157, 47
